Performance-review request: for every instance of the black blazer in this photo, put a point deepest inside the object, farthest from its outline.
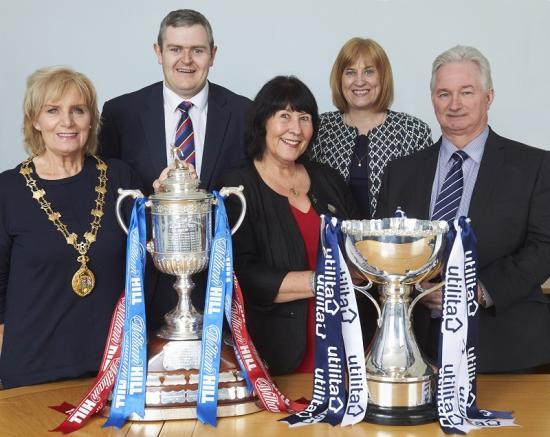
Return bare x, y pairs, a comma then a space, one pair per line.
267, 246
510, 213
132, 129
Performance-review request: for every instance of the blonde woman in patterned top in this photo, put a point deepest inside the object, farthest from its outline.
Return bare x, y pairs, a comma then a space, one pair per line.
361, 137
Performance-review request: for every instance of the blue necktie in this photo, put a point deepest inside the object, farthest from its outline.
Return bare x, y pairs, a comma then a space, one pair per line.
448, 199
185, 139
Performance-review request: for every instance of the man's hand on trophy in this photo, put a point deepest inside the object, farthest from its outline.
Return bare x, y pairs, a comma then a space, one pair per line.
434, 300
357, 277
164, 174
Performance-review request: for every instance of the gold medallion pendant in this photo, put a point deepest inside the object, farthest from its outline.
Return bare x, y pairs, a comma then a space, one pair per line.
83, 280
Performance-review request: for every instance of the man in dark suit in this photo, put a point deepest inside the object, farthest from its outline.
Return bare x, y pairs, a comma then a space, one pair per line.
140, 127
506, 193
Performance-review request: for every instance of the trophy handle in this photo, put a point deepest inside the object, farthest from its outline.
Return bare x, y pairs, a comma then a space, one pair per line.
237, 191
363, 289
423, 293
123, 194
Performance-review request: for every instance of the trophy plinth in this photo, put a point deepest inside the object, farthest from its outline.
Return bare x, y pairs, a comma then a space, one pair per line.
181, 218
173, 378
397, 253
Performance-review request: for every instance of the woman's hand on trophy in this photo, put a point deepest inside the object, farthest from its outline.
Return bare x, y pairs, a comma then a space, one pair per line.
164, 174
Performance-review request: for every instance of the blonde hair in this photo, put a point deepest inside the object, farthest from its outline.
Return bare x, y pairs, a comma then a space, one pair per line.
371, 51
49, 85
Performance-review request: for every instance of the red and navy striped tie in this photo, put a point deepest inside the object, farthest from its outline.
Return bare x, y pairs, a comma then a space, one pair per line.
184, 140
448, 199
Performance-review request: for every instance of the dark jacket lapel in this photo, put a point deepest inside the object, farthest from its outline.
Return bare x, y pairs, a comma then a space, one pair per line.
491, 162
152, 120
425, 178
216, 126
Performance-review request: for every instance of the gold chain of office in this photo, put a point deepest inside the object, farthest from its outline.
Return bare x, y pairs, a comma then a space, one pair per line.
83, 280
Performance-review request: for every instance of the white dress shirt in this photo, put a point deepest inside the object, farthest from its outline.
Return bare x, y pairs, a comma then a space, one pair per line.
198, 113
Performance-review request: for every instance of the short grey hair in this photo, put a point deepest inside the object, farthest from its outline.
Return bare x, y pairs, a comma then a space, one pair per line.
464, 54
185, 18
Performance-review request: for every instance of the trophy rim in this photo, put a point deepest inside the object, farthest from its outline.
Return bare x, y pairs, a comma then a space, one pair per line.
361, 230
401, 227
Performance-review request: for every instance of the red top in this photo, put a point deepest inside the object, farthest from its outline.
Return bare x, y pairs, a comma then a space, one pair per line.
309, 225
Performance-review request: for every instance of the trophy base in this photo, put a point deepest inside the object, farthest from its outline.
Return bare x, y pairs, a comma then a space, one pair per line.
401, 401
401, 415
182, 413
173, 382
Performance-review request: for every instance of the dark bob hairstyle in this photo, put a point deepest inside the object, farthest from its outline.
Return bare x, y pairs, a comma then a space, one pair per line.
279, 93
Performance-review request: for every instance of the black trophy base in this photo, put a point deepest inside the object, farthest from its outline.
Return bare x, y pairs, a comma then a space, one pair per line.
401, 415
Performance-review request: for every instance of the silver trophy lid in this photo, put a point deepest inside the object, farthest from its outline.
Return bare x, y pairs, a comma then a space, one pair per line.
180, 185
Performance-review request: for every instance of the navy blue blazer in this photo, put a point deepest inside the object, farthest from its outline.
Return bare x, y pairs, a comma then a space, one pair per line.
132, 129
510, 213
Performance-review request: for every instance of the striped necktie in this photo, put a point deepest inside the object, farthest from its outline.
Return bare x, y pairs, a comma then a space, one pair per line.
184, 140
448, 199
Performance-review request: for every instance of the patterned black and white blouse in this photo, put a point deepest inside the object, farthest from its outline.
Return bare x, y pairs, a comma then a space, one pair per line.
400, 135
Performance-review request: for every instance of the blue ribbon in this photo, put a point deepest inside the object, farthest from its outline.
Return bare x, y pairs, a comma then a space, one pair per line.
220, 283
129, 389
328, 399
336, 364
469, 243
468, 414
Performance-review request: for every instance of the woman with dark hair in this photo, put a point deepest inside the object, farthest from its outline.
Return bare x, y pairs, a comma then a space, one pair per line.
363, 135
275, 249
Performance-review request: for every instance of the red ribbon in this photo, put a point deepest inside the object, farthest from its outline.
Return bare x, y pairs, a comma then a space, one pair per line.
264, 387
94, 401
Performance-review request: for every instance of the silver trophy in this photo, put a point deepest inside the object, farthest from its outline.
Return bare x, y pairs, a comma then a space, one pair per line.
181, 218
398, 253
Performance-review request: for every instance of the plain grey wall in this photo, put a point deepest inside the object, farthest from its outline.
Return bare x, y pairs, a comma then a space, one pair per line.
111, 42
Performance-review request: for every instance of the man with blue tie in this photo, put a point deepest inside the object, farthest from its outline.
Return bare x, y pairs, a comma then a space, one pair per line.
203, 120
504, 187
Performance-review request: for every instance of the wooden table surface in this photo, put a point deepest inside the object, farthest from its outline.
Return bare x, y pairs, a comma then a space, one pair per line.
24, 412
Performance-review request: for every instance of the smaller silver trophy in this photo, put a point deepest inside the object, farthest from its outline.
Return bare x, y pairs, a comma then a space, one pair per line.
397, 253
181, 217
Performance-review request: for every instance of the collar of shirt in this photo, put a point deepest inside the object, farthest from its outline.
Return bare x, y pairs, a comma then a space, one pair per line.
172, 100
474, 148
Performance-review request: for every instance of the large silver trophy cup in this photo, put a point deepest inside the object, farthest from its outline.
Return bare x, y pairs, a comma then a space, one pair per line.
397, 253
181, 218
